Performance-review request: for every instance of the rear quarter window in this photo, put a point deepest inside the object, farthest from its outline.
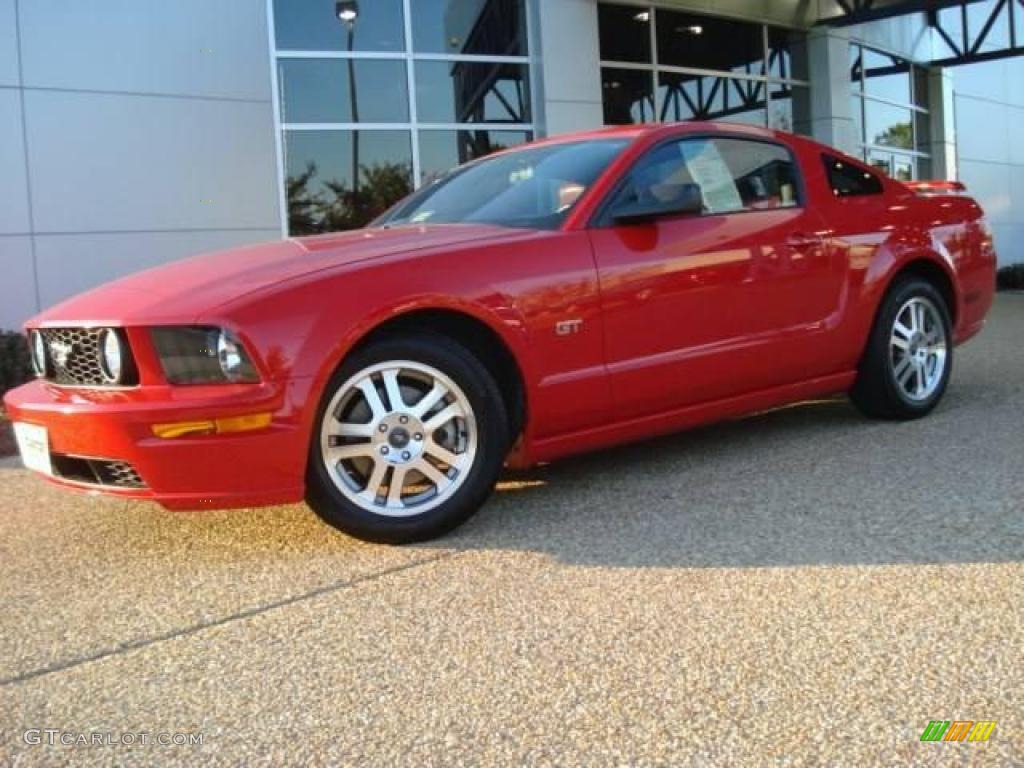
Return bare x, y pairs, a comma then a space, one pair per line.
847, 180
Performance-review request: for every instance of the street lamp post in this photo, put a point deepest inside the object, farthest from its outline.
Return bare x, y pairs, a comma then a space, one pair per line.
347, 12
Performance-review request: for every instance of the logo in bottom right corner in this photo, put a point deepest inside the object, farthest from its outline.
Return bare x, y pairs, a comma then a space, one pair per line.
958, 730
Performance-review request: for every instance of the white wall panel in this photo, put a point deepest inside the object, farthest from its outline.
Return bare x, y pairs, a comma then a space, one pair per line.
8, 44
197, 47
117, 162
13, 189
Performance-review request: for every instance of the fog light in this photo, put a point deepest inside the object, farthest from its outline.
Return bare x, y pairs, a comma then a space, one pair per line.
38, 347
110, 356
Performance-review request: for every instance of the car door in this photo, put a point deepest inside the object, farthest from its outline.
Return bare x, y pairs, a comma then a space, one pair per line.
706, 306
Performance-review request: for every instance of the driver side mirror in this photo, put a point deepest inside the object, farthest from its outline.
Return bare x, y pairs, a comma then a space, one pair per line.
672, 200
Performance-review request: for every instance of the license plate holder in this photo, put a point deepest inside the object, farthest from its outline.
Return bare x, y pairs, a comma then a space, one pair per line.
34, 446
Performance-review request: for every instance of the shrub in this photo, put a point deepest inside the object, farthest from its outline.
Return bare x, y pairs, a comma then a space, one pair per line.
1011, 278
15, 366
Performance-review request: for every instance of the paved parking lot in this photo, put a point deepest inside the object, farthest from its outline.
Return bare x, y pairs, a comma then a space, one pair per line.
802, 587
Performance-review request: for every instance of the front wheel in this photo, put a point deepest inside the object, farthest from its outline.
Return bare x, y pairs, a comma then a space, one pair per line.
409, 442
909, 356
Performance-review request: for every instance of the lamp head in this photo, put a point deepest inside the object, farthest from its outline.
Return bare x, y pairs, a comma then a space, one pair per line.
347, 11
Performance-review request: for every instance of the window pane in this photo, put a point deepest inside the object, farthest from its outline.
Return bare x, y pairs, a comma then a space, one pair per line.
625, 33
857, 111
848, 180
463, 92
903, 167
495, 27
319, 167
689, 40
627, 96
312, 25
705, 97
998, 35
781, 110
886, 76
856, 67
731, 174
888, 125
440, 151
787, 53
881, 160
318, 91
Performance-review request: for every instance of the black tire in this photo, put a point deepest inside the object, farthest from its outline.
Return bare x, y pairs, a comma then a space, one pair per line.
876, 392
484, 396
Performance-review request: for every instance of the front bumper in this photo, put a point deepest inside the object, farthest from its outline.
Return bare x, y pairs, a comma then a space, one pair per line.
261, 467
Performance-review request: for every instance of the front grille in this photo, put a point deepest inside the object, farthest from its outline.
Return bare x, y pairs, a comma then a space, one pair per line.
103, 472
73, 358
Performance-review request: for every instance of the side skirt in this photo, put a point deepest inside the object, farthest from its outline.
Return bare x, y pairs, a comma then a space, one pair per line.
644, 427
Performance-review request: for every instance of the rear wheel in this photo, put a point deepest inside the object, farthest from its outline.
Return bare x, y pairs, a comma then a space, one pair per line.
909, 356
409, 440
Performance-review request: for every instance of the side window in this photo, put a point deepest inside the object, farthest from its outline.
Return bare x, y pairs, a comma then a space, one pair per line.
848, 180
731, 174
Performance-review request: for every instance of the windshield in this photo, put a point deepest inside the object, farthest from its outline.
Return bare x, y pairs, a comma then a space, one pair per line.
534, 188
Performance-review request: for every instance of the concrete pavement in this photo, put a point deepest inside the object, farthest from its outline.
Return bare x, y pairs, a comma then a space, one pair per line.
802, 587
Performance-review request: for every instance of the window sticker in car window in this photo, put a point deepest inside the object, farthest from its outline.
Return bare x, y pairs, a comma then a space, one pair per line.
709, 170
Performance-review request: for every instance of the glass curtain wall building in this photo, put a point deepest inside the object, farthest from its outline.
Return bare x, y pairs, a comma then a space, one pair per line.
376, 97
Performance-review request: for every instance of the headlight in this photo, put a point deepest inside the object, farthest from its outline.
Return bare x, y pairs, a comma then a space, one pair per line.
37, 348
202, 355
110, 357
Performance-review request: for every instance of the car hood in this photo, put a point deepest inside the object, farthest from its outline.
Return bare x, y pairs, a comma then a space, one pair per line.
183, 290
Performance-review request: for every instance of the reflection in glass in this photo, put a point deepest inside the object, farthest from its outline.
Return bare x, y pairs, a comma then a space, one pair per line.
464, 92
888, 125
998, 35
534, 187
882, 161
627, 96
781, 110
903, 167
481, 27
625, 33
857, 67
706, 97
317, 91
320, 190
440, 151
311, 25
784, 45
690, 40
886, 76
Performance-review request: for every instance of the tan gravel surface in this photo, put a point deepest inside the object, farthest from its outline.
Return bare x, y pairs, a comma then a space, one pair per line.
802, 587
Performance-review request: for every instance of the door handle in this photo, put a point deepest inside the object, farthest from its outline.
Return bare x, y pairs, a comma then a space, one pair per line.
804, 240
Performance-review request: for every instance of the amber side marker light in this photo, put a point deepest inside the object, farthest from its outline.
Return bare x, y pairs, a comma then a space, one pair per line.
227, 425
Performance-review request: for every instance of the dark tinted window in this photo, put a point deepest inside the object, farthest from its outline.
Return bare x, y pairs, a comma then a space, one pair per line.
467, 92
848, 180
533, 187
627, 96
317, 91
625, 33
489, 28
690, 40
732, 175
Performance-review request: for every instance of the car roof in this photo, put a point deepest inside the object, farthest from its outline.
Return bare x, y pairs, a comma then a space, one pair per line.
631, 132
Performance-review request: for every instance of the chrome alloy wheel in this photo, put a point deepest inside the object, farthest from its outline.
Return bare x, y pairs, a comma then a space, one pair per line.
918, 349
398, 438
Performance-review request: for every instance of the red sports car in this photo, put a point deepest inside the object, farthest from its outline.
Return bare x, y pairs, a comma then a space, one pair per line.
556, 298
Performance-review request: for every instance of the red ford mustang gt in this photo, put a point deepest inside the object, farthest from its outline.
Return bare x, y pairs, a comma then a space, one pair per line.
567, 295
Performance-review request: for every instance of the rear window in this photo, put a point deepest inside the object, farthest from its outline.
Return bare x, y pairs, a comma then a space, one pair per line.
847, 180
